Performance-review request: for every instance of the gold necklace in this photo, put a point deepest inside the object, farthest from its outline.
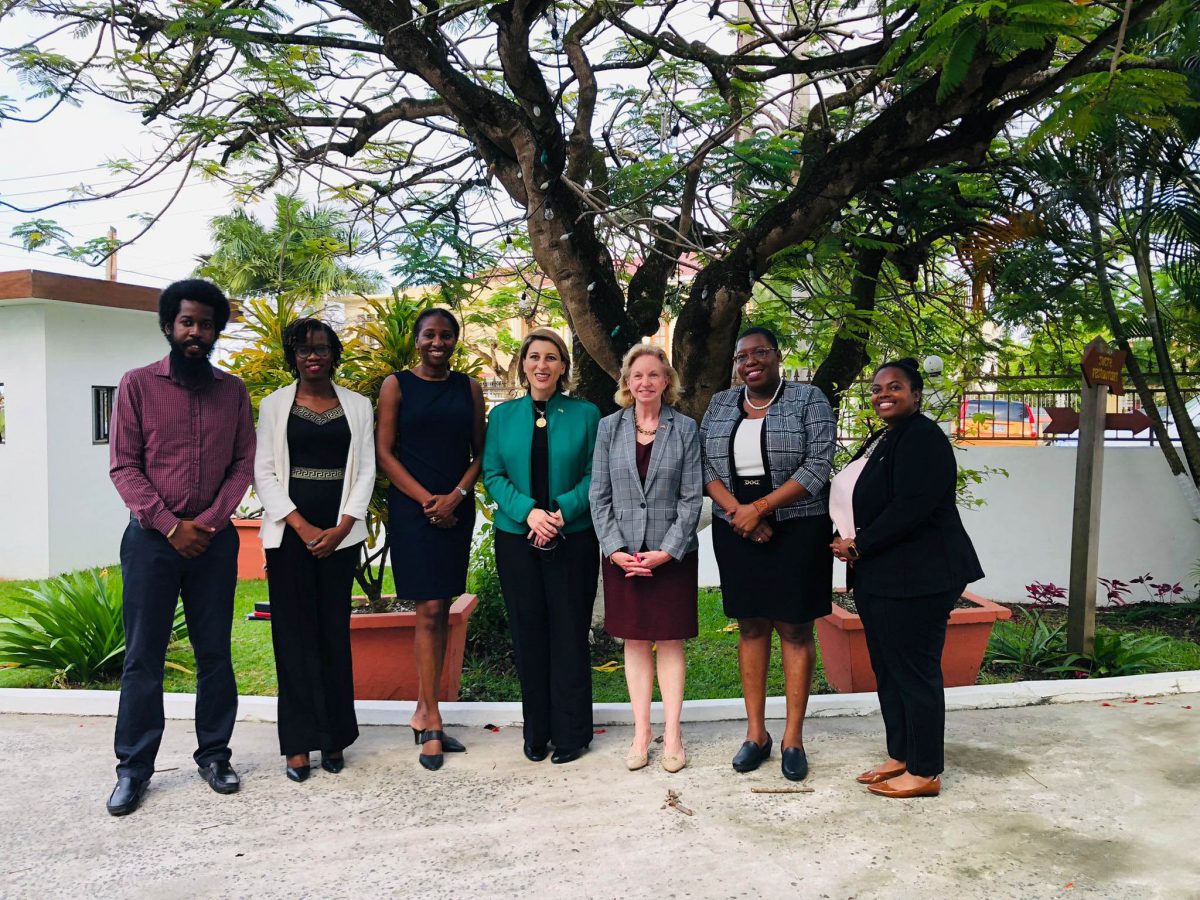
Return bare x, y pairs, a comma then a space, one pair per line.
540, 421
646, 431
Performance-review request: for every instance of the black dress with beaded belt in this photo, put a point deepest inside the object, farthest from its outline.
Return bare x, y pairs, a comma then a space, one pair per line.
310, 597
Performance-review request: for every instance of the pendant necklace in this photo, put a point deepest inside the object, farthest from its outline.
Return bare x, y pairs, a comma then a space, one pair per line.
750, 403
540, 411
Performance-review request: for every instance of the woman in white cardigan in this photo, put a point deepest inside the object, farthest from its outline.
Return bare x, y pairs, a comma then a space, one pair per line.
314, 472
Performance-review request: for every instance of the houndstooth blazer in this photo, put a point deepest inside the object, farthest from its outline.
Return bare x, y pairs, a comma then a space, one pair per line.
662, 514
798, 439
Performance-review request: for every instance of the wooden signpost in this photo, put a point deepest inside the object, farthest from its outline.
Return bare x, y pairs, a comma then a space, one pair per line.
1101, 374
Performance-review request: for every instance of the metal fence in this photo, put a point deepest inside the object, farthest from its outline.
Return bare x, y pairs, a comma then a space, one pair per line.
1016, 410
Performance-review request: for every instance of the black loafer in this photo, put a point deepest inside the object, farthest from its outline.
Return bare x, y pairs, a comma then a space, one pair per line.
298, 773
795, 764
332, 764
536, 752
561, 756
127, 795
751, 756
221, 777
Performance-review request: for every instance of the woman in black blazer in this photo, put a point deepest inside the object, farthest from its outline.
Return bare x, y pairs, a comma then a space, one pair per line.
909, 561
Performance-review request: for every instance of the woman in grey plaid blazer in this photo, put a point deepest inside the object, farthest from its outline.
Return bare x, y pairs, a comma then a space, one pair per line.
768, 449
645, 495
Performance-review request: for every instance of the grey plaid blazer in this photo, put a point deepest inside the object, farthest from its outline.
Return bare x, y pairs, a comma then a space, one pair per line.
663, 514
798, 438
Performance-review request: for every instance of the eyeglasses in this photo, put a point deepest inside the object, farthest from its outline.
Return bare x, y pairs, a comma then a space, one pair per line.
321, 351
758, 354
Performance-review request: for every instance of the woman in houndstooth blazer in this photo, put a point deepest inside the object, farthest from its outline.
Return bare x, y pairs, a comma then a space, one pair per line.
646, 495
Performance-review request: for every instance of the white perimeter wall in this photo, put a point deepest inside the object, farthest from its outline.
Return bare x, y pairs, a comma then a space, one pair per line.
24, 513
58, 509
1023, 534
86, 346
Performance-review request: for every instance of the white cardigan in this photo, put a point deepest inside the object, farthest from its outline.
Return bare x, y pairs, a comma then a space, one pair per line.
272, 468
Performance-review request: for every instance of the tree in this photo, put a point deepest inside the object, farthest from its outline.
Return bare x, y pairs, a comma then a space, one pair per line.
620, 145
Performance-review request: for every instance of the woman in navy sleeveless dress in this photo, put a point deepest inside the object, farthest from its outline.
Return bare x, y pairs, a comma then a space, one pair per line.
429, 443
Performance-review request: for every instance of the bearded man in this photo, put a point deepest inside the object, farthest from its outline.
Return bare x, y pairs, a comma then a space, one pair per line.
181, 453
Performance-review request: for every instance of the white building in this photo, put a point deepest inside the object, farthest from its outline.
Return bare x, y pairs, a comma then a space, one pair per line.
65, 342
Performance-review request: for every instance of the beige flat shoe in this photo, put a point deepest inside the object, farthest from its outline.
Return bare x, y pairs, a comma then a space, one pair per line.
673, 763
635, 761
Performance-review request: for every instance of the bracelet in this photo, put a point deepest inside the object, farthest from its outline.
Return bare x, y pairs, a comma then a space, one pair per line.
852, 552
762, 506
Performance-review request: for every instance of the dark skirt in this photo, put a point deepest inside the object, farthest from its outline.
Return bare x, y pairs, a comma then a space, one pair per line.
659, 608
787, 579
428, 563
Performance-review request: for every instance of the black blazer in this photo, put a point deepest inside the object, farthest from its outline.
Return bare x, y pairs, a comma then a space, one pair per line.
908, 531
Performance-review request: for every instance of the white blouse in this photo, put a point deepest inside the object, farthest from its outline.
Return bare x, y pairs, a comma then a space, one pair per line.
841, 497
747, 448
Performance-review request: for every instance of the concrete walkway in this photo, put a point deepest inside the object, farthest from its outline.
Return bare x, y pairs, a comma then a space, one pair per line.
1096, 799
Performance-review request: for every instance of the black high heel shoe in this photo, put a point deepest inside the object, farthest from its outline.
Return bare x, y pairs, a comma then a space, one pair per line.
332, 764
449, 744
298, 773
431, 761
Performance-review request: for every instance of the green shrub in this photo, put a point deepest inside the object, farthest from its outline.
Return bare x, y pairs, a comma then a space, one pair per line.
487, 630
1026, 643
1116, 653
74, 629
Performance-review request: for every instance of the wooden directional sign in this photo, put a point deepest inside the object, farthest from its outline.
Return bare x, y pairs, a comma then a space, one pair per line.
1064, 420
1136, 421
1103, 365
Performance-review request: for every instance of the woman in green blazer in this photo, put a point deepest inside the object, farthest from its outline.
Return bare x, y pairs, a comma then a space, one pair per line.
537, 466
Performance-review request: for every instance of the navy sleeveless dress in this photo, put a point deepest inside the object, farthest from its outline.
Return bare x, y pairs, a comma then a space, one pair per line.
434, 429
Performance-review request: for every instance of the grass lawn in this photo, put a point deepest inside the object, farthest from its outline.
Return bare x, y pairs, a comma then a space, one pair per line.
711, 657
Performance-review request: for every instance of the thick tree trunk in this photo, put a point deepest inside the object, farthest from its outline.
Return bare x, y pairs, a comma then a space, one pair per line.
848, 352
1104, 288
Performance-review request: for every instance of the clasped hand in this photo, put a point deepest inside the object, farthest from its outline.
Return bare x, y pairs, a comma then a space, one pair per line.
190, 539
839, 546
543, 526
321, 542
639, 565
748, 522
439, 509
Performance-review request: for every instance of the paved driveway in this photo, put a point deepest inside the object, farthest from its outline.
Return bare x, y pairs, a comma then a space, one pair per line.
1080, 800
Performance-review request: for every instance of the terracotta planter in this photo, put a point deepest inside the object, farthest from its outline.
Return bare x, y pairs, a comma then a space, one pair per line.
848, 664
252, 561
382, 646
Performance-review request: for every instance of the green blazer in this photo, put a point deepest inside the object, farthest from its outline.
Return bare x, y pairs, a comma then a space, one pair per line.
571, 438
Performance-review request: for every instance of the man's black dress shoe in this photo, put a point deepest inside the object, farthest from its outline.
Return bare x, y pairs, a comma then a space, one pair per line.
795, 764
221, 777
127, 795
332, 764
561, 756
536, 752
449, 744
751, 756
297, 773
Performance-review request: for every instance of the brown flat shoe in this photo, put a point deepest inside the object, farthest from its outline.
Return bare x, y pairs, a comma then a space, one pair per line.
874, 776
929, 789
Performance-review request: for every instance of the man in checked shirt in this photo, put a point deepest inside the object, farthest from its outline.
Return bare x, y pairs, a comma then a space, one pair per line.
181, 454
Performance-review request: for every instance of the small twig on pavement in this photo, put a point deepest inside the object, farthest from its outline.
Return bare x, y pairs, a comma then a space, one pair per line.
781, 790
673, 801
1038, 780
214, 825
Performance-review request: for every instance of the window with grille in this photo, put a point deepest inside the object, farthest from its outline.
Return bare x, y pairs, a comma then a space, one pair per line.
102, 404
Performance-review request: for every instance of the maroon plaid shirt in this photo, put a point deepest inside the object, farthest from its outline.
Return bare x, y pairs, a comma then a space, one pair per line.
180, 454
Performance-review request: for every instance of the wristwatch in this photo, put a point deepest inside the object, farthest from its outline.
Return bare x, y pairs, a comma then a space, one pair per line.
463, 492
852, 552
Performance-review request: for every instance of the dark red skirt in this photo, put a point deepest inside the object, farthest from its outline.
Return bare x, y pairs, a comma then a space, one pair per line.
659, 608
